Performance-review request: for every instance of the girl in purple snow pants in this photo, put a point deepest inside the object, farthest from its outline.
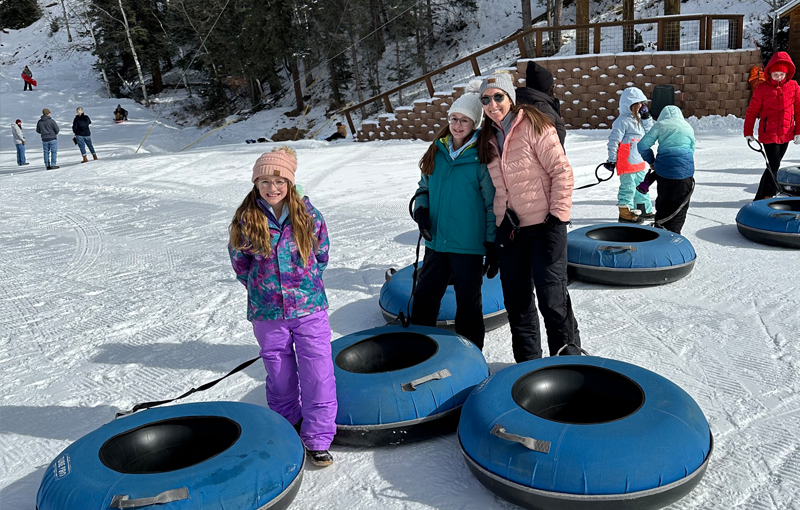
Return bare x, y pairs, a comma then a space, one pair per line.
279, 248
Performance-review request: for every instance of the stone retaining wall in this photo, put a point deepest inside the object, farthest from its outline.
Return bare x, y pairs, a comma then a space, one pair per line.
588, 86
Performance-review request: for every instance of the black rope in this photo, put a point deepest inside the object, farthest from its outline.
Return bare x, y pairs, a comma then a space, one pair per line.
405, 320
769, 170
148, 405
659, 223
597, 176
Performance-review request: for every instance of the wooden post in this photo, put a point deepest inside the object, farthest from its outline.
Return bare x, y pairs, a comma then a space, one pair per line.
350, 122
671, 39
628, 39
475, 67
597, 39
539, 51
660, 36
523, 53
430, 85
581, 34
702, 41
709, 32
387, 104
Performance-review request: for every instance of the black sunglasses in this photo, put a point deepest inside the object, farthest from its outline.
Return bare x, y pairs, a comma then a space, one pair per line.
498, 98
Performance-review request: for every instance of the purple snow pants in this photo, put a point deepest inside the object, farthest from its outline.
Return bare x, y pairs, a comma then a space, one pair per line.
313, 396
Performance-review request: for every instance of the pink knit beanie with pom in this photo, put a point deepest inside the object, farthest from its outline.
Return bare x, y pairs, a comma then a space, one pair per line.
281, 162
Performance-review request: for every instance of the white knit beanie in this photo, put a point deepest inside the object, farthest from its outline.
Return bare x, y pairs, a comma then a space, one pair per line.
503, 81
469, 105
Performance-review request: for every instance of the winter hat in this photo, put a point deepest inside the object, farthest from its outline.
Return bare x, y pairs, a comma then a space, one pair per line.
500, 80
469, 104
537, 77
281, 162
780, 67
45, 111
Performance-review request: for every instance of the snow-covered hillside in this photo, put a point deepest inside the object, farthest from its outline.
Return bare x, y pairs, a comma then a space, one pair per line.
116, 288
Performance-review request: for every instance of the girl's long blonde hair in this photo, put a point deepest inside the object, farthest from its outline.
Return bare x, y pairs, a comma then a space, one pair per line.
249, 229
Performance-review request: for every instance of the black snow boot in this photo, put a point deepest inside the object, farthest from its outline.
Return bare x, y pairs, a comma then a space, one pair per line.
645, 216
320, 458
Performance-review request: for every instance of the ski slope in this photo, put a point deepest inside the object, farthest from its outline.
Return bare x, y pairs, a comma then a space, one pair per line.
116, 288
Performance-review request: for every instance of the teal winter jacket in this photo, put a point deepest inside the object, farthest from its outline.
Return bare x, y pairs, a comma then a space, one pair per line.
675, 138
460, 196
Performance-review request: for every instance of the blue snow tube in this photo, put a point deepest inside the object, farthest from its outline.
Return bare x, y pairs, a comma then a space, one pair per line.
572, 433
789, 180
400, 385
775, 222
618, 254
209, 456
397, 289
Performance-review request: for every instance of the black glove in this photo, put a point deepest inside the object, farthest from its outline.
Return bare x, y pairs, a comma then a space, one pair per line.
644, 112
491, 265
423, 218
506, 231
552, 221
610, 165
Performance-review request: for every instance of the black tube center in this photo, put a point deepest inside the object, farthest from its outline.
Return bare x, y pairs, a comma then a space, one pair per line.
577, 394
622, 234
386, 353
169, 445
786, 205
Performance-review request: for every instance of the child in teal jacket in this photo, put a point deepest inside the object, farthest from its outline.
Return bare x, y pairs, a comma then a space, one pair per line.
455, 217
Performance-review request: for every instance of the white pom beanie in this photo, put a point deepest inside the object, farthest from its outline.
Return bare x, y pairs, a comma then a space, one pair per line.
469, 105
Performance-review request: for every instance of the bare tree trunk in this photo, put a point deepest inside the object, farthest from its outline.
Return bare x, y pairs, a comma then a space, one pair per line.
356, 71
558, 9
202, 43
399, 69
582, 34
672, 29
102, 68
298, 90
628, 40
335, 95
527, 24
133, 52
420, 43
429, 24
66, 21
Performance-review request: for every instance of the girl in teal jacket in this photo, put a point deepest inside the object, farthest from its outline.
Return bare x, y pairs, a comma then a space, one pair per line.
454, 212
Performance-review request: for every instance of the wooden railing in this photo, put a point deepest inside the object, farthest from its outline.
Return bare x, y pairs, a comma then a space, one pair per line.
705, 41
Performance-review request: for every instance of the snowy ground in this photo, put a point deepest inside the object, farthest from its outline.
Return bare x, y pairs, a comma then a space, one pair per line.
116, 288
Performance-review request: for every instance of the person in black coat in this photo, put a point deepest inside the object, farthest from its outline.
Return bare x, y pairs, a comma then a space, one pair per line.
538, 91
83, 135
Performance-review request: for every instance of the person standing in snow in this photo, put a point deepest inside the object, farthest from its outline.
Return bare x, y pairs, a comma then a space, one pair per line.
28, 85
279, 249
83, 136
538, 91
533, 182
674, 166
19, 141
453, 209
626, 131
48, 129
776, 102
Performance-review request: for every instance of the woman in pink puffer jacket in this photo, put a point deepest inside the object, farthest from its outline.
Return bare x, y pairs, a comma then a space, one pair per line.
533, 182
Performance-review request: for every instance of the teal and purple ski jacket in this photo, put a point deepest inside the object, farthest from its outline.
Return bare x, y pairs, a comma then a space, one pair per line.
279, 286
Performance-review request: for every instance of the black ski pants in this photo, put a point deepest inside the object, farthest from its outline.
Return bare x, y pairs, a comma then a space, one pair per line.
671, 194
768, 186
537, 259
466, 271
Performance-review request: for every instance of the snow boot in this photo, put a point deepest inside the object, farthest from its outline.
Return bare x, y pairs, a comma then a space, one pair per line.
84, 159
94, 156
320, 458
626, 215
645, 216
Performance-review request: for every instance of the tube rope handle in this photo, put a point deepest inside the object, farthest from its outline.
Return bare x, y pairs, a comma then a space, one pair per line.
412, 386
794, 216
626, 247
122, 501
530, 443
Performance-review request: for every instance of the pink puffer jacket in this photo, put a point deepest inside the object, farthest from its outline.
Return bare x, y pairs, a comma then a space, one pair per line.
533, 176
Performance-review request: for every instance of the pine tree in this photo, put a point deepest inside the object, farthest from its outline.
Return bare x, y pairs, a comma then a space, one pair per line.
17, 14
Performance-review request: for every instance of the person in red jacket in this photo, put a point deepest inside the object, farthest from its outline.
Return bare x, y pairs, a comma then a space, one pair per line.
777, 103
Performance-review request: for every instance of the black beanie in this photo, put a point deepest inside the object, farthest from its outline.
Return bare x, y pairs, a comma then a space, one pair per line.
537, 77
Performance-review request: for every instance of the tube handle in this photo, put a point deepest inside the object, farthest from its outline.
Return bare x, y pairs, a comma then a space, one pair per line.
122, 501
412, 386
794, 216
530, 443
626, 247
